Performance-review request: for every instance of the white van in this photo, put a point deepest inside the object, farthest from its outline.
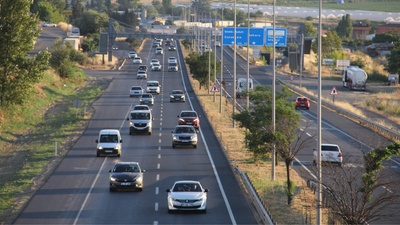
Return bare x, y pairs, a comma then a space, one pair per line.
140, 121
109, 143
153, 87
241, 85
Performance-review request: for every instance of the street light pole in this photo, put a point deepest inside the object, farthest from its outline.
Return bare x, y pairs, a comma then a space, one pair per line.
319, 177
209, 57
248, 53
234, 66
273, 98
222, 63
215, 53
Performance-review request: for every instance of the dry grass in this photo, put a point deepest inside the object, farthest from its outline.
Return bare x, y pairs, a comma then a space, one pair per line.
273, 193
395, 96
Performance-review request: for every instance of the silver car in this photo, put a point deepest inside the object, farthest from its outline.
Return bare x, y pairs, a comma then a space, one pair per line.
156, 66
187, 195
177, 95
136, 91
147, 99
184, 135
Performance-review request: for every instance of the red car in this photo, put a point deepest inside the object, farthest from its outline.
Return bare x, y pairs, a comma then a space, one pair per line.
189, 118
302, 102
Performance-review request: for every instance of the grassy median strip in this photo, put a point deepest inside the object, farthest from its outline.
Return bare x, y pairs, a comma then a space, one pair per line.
273, 193
28, 136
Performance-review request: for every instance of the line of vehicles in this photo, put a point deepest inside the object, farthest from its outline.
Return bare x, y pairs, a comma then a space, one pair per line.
184, 194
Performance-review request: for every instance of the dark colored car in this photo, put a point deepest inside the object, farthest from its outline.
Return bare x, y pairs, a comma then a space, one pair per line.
147, 99
302, 102
126, 175
177, 95
167, 42
189, 118
184, 135
172, 48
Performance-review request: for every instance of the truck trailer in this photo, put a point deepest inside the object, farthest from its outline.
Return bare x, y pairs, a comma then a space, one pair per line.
354, 78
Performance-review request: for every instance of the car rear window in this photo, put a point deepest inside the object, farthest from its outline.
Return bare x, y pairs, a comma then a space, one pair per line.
301, 99
136, 88
329, 148
188, 114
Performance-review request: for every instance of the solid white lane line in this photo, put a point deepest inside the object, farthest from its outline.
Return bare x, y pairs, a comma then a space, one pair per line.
157, 190
158, 166
158, 177
156, 206
228, 207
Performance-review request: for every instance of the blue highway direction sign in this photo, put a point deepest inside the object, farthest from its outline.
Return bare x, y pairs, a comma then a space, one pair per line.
257, 36
280, 37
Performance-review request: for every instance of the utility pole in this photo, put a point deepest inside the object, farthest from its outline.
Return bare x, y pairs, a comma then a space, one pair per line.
248, 54
234, 67
301, 58
209, 57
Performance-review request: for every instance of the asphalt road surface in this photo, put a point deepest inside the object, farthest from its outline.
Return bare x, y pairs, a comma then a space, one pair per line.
78, 190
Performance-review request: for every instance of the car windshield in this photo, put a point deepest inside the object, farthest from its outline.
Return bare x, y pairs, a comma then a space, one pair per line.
136, 88
137, 58
109, 138
156, 64
184, 130
141, 108
244, 84
187, 187
146, 96
126, 168
329, 148
172, 58
132, 52
177, 92
172, 64
188, 114
152, 85
154, 60
140, 116
142, 72
142, 68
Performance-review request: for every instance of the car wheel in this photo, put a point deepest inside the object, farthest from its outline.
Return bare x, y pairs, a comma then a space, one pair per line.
340, 164
194, 146
130, 96
112, 189
204, 211
173, 146
119, 154
308, 108
98, 154
140, 189
130, 133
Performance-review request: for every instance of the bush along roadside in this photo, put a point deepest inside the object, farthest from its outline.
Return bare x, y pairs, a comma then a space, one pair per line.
27, 145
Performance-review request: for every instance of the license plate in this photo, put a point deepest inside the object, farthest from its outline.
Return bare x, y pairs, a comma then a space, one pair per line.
178, 99
146, 102
186, 205
125, 183
108, 150
185, 140
302, 105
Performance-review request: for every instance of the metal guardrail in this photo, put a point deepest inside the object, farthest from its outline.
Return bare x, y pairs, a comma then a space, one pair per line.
259, 204
361, 120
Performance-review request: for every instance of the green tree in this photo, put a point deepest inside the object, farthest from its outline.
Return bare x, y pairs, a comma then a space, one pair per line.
167, 4
159, 7
241, 16
330, 43
127, 4
77, 8
18, 73
201, 6
393, 65
91, 21
345, 27
198, 65
151, 11
182, 30
91, 42
309, 30
392, 35
48, 12
64, 58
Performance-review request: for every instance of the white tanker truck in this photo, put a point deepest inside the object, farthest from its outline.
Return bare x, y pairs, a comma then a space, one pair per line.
354, 78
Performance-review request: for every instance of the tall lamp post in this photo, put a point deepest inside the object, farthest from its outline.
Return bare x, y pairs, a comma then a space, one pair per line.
215, 52
234, 66
273, 98
209, 56
222, 62
248, 52
319, 197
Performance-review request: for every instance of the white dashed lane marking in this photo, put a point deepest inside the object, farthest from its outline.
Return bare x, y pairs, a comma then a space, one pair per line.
158, 177
159, 156
158, 166
156, 206
157, 190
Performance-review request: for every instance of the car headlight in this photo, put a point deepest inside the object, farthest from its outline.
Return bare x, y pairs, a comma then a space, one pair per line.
139, 179
141, 100
193, 137
118, 147
181, 120
99, 147
113, 178
130, 123
175, 137
171, 96
195, 120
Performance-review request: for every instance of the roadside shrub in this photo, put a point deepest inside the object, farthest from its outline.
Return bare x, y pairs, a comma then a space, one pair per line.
375, 75
358, 62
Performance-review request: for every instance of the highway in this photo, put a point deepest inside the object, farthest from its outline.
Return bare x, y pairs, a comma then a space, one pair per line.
78, 190
353, 138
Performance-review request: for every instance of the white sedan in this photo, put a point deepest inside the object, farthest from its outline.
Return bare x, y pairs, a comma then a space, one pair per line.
48, 24
154, 61
187, 195
172, 60
132, 55
137, 60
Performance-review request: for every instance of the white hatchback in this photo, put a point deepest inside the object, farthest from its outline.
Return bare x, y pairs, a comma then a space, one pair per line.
172, 60
154, 61
136, 91
329, 153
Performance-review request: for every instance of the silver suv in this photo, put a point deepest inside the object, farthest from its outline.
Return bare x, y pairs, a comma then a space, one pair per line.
172, 67
140, 121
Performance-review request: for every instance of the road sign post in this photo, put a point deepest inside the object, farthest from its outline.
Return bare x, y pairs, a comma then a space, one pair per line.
291, 78
333, 93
